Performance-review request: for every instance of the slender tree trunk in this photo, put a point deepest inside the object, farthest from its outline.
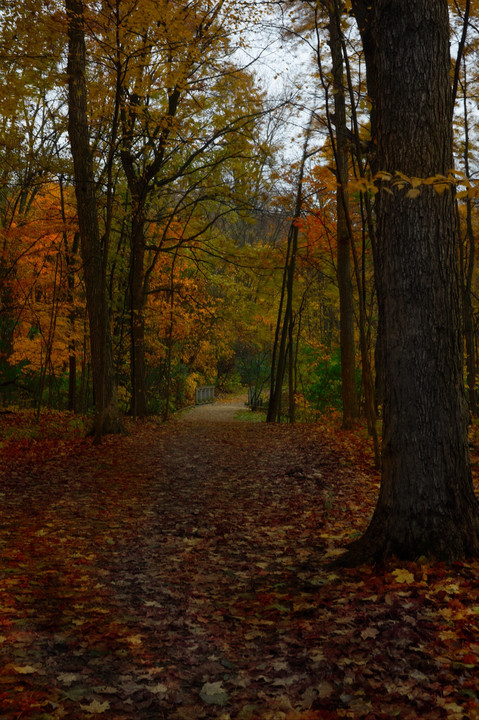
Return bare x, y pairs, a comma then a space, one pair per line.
285, 321
275, 399
291, 388
50, 337
364, 17
171, 326
426, 504
107, 418
280, 348
368, 230
346, 301
468, 313
70, 255
72, 380
467, 256
369, 401
137, 312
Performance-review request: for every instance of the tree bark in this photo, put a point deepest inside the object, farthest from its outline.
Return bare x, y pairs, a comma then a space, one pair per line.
343, 271
285, 318
138, 405
467, 257
107, 416
70, 253
426, 504
468, 312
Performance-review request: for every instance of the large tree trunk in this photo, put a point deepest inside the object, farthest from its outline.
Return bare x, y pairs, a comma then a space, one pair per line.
107, 418
426, 504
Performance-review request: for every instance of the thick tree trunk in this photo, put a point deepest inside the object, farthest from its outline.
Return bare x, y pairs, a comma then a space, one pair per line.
107, 418
426, 504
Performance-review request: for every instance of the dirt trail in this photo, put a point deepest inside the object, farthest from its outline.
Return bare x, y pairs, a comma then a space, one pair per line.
219, 411
140, 573
181, 573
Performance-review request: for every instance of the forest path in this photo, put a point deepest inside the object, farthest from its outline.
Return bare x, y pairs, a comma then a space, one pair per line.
182, 573
223, 410
144, 577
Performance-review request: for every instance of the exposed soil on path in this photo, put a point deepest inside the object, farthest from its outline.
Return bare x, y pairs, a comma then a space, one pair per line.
182, 573
225, 410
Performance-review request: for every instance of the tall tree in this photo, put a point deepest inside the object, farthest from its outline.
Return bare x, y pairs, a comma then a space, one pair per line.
173, 69
467, 249
313, 14
341, 157
107, 418
426, 504
283, 344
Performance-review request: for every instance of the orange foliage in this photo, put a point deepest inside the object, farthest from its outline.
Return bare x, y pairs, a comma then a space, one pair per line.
38, 256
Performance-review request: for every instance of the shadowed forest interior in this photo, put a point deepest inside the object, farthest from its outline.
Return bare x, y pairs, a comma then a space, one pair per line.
272, 205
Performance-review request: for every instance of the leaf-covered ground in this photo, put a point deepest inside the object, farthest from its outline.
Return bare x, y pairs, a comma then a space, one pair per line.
182, 572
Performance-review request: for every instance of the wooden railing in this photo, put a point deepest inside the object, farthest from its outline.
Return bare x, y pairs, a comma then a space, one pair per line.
204, 394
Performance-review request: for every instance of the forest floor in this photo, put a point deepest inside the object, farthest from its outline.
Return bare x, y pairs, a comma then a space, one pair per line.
183, 572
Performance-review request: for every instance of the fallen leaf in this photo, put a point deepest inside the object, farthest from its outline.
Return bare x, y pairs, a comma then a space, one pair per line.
403, 576
95, 707
453, 710
214, 694
25, 669
106, 690
369, 633
308, 697
324, 689
134, 639
68, 678
159, 689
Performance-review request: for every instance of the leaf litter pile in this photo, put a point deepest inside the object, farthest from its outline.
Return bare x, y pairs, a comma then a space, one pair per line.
184, 572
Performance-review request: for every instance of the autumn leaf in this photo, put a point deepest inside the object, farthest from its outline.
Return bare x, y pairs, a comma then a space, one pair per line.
134, 639
24, 669
413, 193
68, 678
214, 694
369, 633
441, 187
403, 576
159, 689
325, 689
96, 707
211, 590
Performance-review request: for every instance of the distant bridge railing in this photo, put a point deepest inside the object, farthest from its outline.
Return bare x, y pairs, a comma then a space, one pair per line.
204, 394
